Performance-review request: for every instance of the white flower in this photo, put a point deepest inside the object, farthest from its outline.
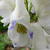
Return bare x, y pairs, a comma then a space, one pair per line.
21, 16
42, 8
18, 15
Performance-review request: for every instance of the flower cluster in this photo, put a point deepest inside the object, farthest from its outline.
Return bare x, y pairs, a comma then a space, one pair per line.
18, 17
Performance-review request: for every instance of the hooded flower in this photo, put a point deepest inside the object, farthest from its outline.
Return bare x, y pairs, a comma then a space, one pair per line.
42, 27
19, 19
19, 15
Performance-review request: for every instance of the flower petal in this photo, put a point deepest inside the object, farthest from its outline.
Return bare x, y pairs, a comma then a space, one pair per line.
39, 36
23, 17
14, 23
11, 27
